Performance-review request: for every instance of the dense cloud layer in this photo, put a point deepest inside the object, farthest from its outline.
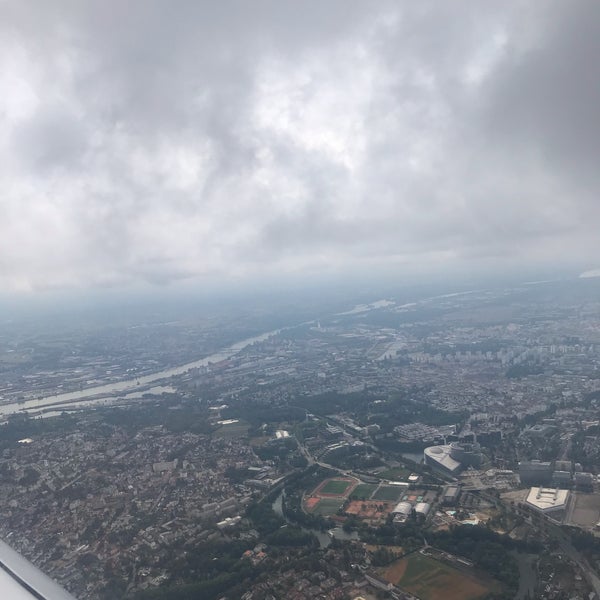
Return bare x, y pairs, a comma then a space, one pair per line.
157, 141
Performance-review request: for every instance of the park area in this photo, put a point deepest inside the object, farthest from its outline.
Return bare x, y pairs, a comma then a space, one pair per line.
431, 579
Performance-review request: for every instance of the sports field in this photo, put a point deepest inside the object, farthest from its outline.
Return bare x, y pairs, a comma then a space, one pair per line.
369, 509
335, 487
431, 579
363, 490
388, 493
326, 506
311, 502
329, 496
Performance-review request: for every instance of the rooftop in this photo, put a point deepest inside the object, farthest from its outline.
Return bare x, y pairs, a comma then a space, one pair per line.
547, 499
441, 455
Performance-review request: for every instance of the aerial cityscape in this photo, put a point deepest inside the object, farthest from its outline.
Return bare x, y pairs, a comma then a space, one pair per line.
424, 449
299, 300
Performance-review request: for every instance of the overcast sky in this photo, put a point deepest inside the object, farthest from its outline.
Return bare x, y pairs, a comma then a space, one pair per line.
159, 141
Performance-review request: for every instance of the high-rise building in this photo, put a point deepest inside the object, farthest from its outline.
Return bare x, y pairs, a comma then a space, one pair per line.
535, 472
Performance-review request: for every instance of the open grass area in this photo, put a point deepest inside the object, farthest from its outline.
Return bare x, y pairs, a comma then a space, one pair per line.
335, 487
388, 493
233, 430
431, 579
257, 442
363, 490
327, 506
396, 474
585, 509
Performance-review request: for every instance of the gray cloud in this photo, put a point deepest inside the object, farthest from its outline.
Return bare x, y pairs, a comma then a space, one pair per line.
546, 94
152, 141
52, 137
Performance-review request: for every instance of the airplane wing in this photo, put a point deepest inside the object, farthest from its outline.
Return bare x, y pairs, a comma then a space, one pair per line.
20, 580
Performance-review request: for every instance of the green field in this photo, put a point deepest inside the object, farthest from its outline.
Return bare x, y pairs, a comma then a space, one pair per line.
327, 507
388, 493
232, 431
431, 579
363, 490
335, 487
396, 474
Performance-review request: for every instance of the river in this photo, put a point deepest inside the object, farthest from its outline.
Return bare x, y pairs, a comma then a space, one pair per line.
102, 393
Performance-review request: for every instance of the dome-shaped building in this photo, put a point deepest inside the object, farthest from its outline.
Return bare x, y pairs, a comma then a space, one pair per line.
468, 454
438, 457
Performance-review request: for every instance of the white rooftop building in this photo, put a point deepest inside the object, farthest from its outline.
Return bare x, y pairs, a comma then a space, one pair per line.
547, 499
422, 508
439, 457
403, 508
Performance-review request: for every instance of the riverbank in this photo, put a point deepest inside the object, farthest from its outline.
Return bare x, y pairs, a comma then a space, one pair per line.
104, 393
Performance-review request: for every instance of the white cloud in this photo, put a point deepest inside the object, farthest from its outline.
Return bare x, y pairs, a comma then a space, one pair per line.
140, 143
